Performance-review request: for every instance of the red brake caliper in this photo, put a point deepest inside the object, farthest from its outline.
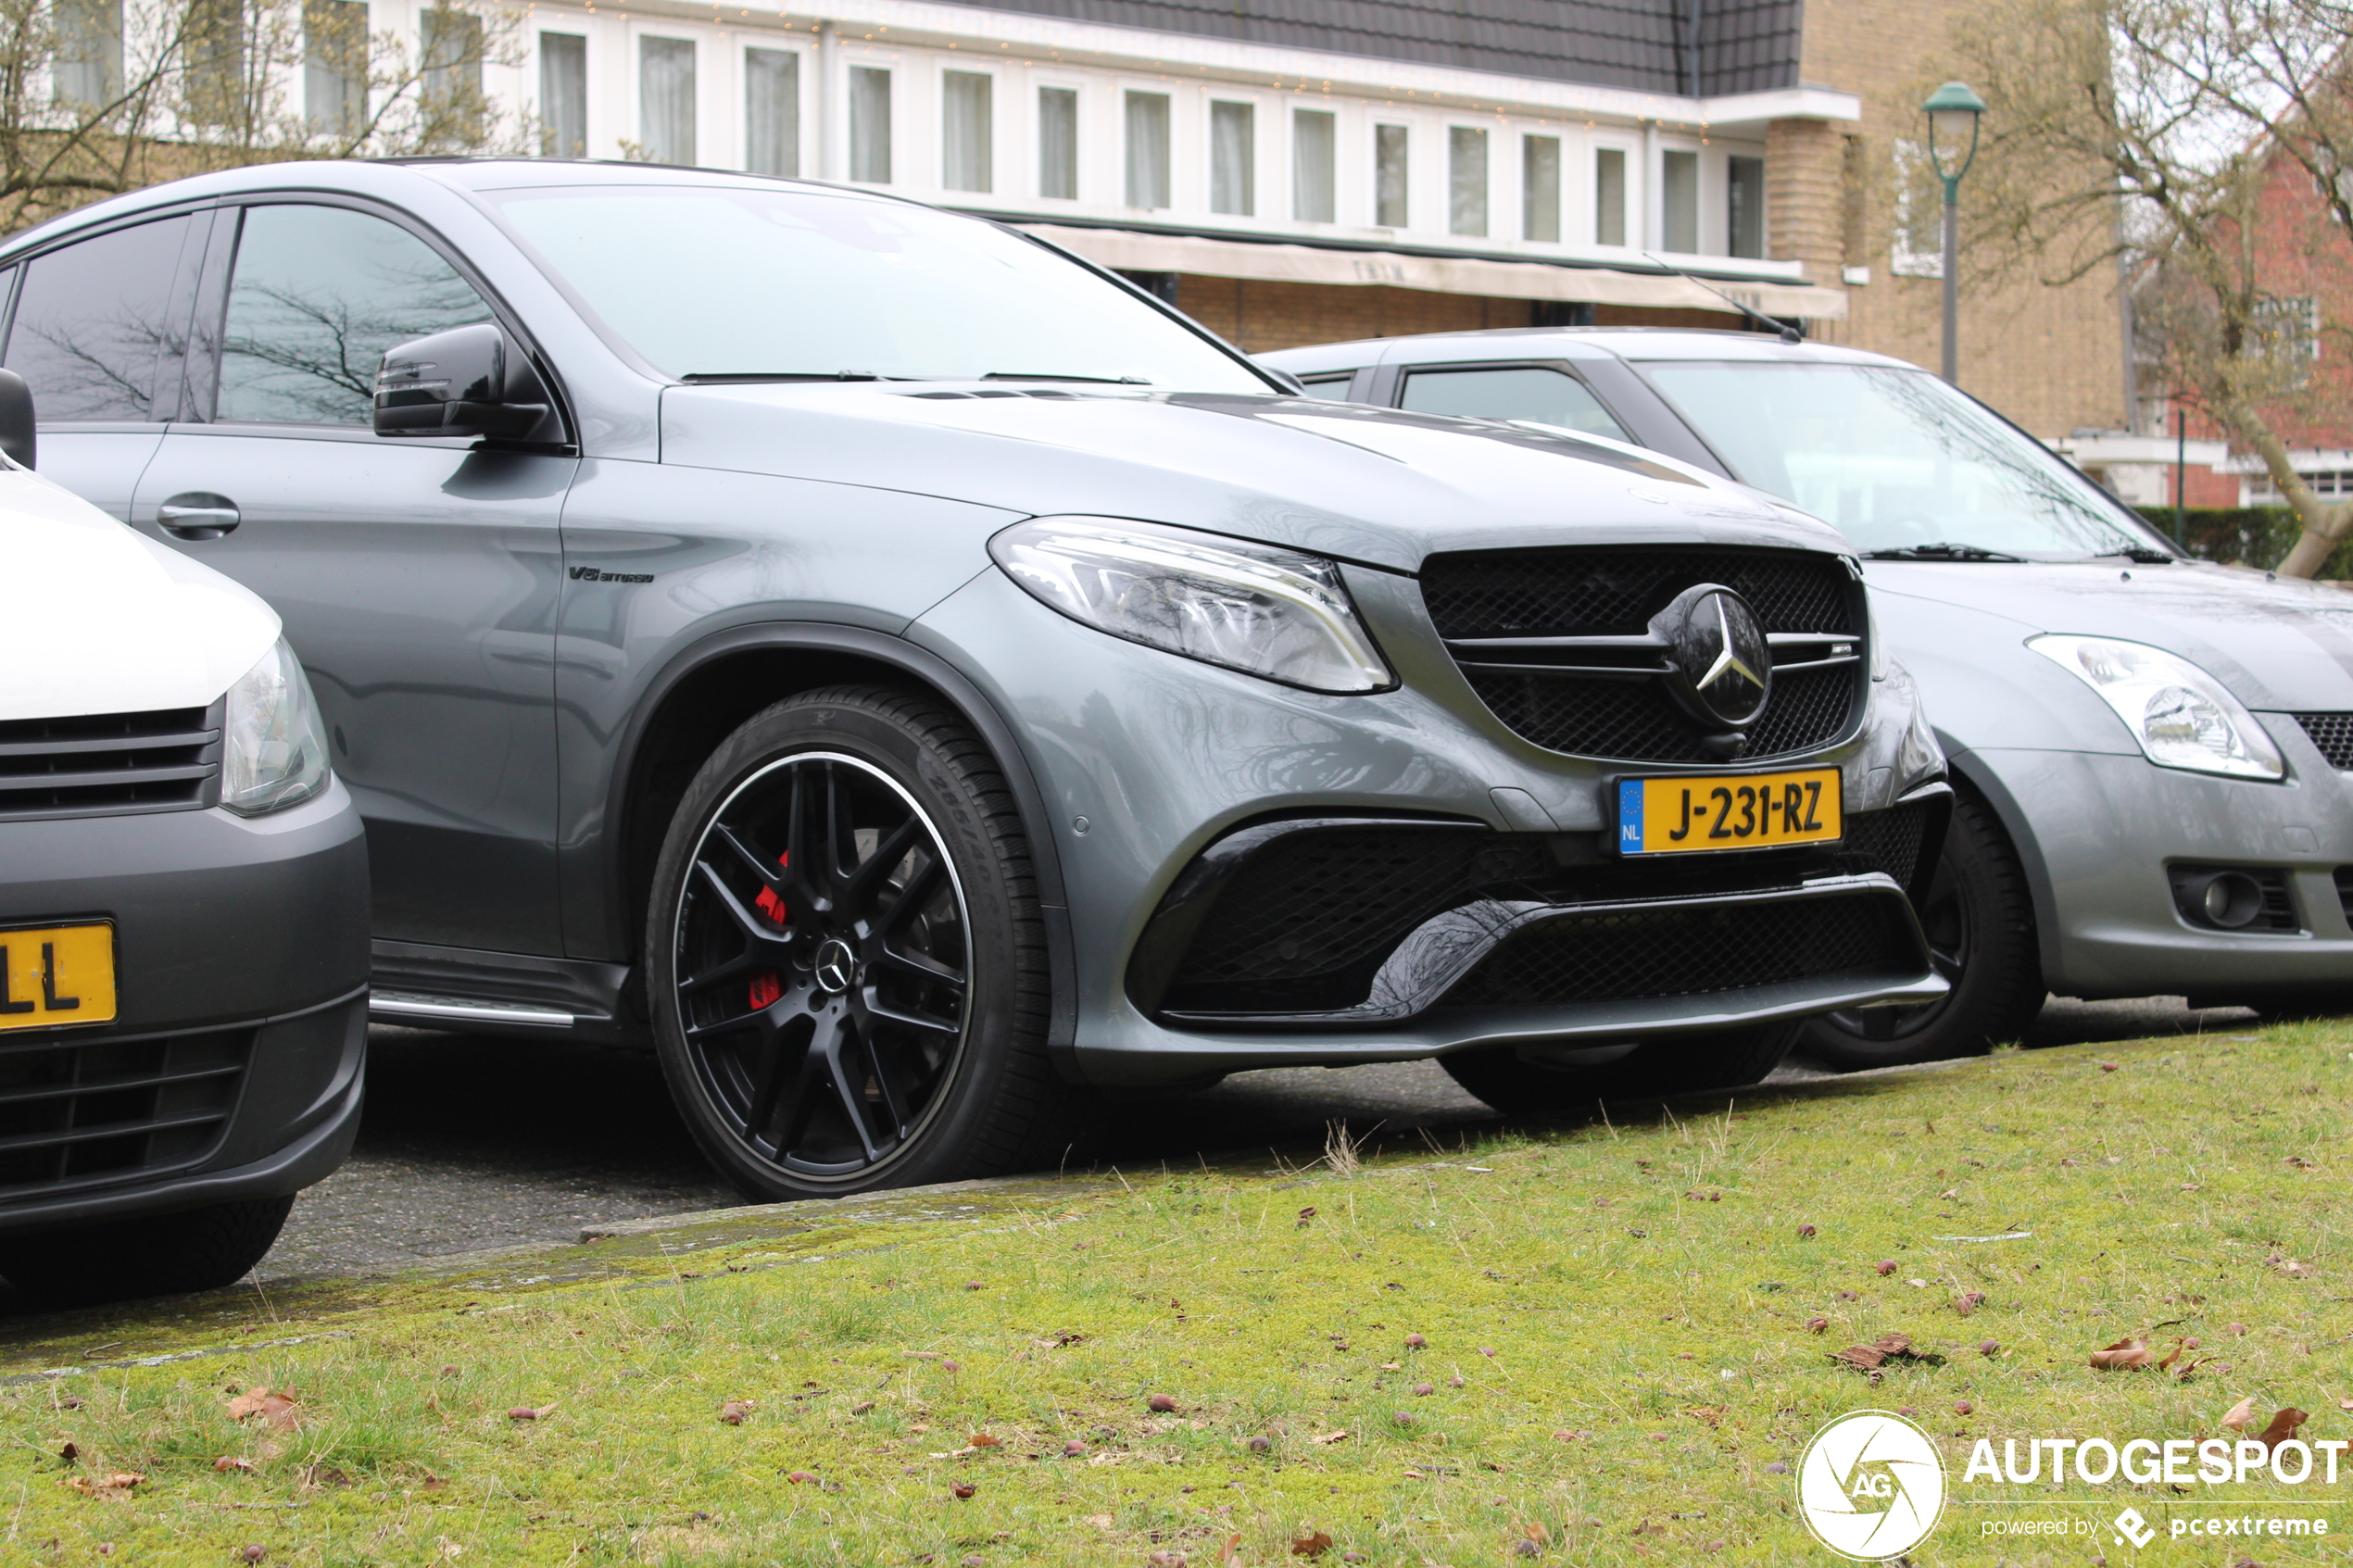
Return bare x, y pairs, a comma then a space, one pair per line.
766, 987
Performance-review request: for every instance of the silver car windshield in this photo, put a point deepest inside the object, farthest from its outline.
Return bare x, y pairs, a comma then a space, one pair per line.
720, 280
1896, 460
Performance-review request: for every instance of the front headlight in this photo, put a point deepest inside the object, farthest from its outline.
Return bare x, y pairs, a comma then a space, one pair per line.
273, 753
1252, 608
2182, 716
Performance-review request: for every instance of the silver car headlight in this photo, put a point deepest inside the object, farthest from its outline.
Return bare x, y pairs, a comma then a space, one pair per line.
2182, 716
274, 751
1252, 608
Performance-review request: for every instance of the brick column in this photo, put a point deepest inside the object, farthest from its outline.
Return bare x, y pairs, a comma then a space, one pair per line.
1804, 196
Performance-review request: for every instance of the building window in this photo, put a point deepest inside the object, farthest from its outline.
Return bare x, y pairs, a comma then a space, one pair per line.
1540, 188
771, 111
1389, 176
870, 124
1315, 165
1679, 202
2289, 331
335, 65
88, 67
215, 51
1058, 143
1233, 160
451, 96
1147, 149
1917, 242
968, 156
564, 94
1609, 197
666, 98
1465, 179
1744, 205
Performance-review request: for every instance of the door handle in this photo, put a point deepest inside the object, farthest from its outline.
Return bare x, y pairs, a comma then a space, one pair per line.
197, 514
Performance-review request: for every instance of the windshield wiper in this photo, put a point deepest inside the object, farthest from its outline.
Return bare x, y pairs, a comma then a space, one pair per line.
728, 377
1940, 552
2140, 555
1048, 375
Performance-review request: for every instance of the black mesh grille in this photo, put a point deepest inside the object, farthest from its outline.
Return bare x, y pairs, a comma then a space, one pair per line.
2344, 890
1614, 592
2333, 732
1636, 720
1585, 593
1628, 954
88, 1108
1891, 839
1334, 904
107, 764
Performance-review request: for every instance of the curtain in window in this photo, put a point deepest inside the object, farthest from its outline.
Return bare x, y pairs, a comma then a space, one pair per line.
1147, 149
666, 98
1233, 160
453, 51
1389, 176
88, 67
1314, 143
1465, 179
335, 64
1746, 205
1609, 197
1679, 190
1540, 188
564, 94
968, 156
870, 124
771, 111
1058, 143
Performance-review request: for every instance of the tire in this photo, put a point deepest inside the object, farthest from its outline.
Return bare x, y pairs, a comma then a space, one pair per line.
1979, 921
861, 1005
1519, 1084
153, 1255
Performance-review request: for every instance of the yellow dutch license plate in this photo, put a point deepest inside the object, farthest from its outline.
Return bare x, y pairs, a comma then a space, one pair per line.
1743, 811
53, 974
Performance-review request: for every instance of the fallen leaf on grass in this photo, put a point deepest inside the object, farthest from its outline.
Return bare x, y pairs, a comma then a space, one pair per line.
2240, 1415
321, 1476
1100, 1521
801, 1478
2126, 1355
528, 1412
1232, 1553
1329, 1437
866, 1409
1311, 1545
2282, 1428
70, 1452
963, 1491
983, 1440
121, 1482
279, 1409
735, 1411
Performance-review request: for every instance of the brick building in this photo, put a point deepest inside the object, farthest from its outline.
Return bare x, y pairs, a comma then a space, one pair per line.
1300, 172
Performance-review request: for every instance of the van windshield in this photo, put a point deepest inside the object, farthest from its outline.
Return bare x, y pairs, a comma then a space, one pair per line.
1898, 460
724, 281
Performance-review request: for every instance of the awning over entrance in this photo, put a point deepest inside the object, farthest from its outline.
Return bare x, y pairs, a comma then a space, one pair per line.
1137, 252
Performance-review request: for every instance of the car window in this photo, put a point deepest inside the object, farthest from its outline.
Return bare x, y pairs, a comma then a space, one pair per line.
1332, 389
1894, 458
1511, 392
719, 281
317, 294
94, 319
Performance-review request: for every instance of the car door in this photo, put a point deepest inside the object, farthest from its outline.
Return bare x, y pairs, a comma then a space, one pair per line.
97, 332
417, 577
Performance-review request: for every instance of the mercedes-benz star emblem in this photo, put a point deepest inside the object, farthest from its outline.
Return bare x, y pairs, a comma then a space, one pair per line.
1722, 667
837, 966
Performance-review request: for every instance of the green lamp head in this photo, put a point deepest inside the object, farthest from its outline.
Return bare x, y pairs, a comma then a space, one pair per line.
1953, 110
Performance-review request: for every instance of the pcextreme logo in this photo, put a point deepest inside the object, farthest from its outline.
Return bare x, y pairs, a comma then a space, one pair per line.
1871, 1486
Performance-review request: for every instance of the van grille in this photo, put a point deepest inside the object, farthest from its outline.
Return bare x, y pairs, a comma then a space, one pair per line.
84, 1109
112, 764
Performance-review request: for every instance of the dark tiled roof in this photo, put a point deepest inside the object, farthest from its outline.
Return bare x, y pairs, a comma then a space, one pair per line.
1744, 46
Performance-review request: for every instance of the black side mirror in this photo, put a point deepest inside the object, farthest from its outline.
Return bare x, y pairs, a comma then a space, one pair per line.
16, 437
468, 381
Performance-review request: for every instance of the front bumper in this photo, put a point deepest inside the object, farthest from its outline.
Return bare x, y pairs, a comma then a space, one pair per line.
2099, 831
1147, 761
234, 1067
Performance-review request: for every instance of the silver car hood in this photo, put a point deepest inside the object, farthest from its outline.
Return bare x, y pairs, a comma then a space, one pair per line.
1373, 485
2283, 645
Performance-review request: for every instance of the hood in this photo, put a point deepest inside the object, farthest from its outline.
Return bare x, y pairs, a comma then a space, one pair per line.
2278, 643
1373, 485
104, 620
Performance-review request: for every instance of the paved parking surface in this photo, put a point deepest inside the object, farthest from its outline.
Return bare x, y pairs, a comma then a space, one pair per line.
472, 1143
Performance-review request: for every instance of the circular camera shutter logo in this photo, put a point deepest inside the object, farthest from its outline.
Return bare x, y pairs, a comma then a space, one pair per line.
1871, 1486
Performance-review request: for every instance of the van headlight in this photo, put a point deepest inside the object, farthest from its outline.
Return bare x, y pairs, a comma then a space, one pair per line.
2182, 716
1252, 608
272, 749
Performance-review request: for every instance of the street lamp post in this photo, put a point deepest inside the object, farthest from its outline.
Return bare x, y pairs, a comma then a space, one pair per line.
1953, 111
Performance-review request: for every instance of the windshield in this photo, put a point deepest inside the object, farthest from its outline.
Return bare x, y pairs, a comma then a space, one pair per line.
721, 280
1896, 460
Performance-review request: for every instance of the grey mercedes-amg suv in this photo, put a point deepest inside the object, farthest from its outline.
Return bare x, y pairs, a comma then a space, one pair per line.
910, 675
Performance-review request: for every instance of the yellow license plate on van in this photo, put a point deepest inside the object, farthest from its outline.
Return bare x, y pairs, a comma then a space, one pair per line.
1743, 811
53, 974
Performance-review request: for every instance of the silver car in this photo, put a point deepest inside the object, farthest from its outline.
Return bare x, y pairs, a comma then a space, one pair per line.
2151, 753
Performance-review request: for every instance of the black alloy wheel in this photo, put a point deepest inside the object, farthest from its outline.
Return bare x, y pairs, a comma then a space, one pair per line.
850, 994
1518, 1082
1979, 920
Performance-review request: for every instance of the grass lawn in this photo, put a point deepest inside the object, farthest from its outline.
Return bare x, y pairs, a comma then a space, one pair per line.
1626, 1341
